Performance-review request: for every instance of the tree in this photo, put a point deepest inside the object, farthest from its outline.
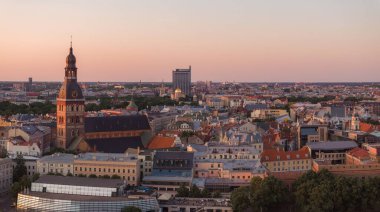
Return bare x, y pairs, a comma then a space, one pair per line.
182, 191
3, 152
24, 182
115, 176
205, 193
323, 191
92, 176
35, 177
106, 176
195, 192
240, 199
216, 194
131, 209
20, 168
262, 194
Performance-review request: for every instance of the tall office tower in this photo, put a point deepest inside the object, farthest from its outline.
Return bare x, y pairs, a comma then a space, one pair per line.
29, 86
182, 80
70, 106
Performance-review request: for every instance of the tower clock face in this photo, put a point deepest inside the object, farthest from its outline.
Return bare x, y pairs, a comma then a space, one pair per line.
74, 94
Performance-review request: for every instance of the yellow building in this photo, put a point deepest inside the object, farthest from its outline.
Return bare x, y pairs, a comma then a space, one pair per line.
125, 166
280, 161
268, 113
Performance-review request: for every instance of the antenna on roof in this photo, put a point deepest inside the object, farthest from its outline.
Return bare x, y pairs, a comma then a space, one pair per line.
71, 41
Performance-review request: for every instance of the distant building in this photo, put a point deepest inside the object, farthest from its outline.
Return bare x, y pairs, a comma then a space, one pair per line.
281, 161
60, 193
29, 85
111, 134
331, 152
182, 80
127, 167
6, 174
170, 171
311, 133
60, 163
70, 106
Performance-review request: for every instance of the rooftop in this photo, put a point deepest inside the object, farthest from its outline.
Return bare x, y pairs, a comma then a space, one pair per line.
105, 157
116, 123
58, 158
332, 145
80, 181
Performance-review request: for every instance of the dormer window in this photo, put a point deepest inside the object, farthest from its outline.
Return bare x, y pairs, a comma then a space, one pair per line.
288, 156
278, 157
298, 156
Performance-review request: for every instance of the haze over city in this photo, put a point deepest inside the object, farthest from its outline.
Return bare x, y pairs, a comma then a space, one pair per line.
222, 40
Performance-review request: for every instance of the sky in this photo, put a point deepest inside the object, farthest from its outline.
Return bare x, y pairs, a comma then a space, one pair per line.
223, 40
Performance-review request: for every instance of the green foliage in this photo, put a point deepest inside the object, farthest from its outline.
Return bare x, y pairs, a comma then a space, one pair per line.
141, 101
193, 192
216, 194
35, 177
187, 134
205, 193
24, 182
115, 176
106, 177
313, 100
81, 175
356, 99
240, 199
131, 209
182, 191
69, 174
7, 108
370, 121
92, 176
20, 169
3, 152
323, 191
60, 150
262, 194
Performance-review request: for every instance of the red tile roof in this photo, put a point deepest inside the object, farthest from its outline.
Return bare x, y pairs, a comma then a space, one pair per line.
161, 142
280, 155
358, 153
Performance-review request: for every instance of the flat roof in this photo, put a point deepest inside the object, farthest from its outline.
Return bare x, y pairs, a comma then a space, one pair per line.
80, 181
58, 158
75, 197
332, 145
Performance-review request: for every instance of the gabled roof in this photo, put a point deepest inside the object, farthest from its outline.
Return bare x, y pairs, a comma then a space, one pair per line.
161, 142
358, 153
115, 145
116, 123
332, 145
280, 155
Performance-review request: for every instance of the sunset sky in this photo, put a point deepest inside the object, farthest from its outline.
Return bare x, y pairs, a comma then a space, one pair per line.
223, 40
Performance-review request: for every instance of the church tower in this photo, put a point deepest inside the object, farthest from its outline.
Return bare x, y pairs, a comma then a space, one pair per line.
70, 106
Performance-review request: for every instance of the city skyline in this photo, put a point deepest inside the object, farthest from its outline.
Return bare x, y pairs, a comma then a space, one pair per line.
250, 41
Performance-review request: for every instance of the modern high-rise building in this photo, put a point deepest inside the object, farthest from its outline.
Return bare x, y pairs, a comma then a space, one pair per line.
182, 80
70, 106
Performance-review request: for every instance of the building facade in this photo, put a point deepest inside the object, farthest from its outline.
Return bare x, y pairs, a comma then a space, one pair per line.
6, 174
127, 167
182, 80
57, 193
70, 106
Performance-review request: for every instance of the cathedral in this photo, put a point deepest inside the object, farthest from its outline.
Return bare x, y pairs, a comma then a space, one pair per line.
70, 105
110, 134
